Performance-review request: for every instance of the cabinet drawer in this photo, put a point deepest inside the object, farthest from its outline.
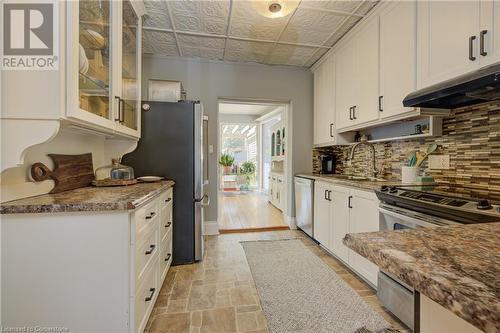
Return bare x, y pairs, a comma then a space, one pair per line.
145, 218
166, 220
166, 255
145, 296
166, 198
145, 254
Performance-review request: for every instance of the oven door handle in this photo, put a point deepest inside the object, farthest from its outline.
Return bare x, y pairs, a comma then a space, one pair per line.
410, 217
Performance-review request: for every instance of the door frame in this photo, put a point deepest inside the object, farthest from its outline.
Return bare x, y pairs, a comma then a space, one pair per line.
287, 120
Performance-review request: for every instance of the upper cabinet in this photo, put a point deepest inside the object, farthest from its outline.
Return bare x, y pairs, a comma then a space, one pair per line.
324, 102
356, 82
397, 57
104, 54
455, 38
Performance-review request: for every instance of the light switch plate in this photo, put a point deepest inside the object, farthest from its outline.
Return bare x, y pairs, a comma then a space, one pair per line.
210, 149
439, 162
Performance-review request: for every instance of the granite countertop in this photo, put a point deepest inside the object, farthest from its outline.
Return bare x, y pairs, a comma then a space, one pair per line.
362, 184
88, 199
456, 266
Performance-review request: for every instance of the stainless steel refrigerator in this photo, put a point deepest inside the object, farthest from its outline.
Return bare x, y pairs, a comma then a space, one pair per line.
173, 145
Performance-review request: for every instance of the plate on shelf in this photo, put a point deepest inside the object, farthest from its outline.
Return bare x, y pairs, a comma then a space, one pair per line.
149, 179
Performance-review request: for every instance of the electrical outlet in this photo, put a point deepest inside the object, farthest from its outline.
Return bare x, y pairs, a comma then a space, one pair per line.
439, 162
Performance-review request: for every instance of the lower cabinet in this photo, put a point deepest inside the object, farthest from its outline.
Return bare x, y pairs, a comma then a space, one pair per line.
339, 210
276, 191
86, 271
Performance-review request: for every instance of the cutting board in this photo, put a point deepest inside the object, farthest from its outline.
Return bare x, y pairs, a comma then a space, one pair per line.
70, 171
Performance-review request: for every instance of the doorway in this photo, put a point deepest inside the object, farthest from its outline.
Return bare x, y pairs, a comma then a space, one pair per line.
252, 193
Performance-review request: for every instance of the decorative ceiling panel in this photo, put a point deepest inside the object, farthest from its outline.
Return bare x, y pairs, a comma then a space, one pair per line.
157, 15
239, 50
201, 16
291, 55
238, 30
247, 22
162, 43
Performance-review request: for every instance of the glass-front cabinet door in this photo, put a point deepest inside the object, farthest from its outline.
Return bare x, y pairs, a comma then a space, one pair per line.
94, 57
129, 104
104, 64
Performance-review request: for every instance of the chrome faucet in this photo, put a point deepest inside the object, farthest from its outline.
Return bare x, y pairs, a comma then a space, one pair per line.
365, 142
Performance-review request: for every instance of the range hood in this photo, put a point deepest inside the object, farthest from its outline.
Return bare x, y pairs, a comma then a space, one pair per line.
477, 87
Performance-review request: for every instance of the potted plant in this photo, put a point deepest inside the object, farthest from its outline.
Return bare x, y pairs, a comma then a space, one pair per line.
226, 161
247, 170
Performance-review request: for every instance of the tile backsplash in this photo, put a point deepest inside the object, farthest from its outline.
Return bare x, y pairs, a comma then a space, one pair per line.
471, 136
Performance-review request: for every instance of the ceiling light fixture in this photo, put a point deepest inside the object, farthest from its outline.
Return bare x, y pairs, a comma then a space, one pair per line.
275, 8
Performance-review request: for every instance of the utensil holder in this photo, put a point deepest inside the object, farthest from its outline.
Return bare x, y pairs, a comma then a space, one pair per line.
409, 174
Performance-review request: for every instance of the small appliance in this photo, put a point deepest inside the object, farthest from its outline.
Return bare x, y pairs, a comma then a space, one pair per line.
327, 164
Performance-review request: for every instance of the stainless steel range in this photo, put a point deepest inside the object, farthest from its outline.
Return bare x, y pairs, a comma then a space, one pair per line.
411, 207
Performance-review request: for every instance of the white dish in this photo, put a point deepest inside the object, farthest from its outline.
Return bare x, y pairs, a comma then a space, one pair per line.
149, 179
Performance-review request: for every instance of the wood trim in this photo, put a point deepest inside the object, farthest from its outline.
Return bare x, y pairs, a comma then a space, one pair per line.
234, 231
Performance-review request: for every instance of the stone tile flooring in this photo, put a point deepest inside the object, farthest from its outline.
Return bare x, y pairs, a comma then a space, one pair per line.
219, 295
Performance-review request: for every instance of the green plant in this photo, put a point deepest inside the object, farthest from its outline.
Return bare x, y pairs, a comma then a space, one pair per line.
247, 168
226, 160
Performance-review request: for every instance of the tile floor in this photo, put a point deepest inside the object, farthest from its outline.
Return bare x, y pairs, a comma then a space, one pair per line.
218, 294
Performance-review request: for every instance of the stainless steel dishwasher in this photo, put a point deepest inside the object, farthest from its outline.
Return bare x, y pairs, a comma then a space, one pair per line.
304, 204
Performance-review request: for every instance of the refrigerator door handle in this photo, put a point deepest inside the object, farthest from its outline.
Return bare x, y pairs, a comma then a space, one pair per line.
206, 202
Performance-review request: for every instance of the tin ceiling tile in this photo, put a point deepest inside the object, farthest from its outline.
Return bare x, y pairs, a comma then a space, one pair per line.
162, 43
248, 22
201, 16
201, 41
156, 15
201, 52
238, 50
291, 55
343, 5
315, 57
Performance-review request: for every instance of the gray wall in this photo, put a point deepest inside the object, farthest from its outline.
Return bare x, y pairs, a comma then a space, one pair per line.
209, 80
236, 118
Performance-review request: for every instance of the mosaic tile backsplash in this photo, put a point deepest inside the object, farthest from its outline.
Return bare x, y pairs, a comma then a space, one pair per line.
471, 136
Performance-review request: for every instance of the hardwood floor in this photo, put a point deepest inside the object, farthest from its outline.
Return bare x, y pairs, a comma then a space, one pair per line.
248, 211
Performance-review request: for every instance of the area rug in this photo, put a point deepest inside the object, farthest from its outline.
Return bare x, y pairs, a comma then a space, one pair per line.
300, 293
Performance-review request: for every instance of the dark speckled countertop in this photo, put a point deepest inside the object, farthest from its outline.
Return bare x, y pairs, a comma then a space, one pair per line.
88, 199
456, 266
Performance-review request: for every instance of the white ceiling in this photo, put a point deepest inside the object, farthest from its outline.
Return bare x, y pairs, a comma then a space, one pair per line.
235, 30
246, 109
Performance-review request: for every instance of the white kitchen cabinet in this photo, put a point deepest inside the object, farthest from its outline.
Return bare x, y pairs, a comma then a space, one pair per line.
276, 191
339, 210
357, 75
398, 33
322, 217
92, 271
364, 217
345, 68
447, 40
490, 32
104, 62
339, 221
324, 102
366, 77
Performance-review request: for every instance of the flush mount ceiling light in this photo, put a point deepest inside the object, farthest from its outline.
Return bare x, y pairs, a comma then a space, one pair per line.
275, 8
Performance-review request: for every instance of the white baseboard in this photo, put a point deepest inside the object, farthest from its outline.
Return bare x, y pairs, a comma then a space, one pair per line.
211, 228
290, 220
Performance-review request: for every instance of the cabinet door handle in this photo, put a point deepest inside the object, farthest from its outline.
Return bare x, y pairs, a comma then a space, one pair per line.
354, 112
150, 297
471, 48
380, 108
151, 249
168, 257
168, 224
329, 195
168, 200
481, 43
350, 113
326, 194
349, 202
119, 108
150, 216
331, 130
